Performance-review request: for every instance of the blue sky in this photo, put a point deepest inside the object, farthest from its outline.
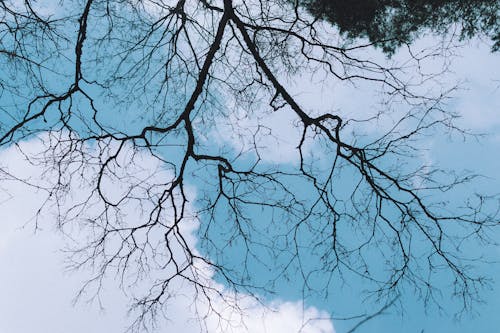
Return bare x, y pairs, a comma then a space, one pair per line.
36, 290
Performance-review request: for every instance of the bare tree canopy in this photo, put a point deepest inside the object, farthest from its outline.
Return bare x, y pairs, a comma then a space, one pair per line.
391, 23
190, 115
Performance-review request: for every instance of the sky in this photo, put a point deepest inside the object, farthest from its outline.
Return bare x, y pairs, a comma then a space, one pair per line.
37, 291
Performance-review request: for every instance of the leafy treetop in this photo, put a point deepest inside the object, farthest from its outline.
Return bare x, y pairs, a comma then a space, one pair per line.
390, 23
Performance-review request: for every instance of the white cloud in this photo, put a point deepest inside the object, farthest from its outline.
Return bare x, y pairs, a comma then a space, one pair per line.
473, 67
273, 135
479, 102
36, 293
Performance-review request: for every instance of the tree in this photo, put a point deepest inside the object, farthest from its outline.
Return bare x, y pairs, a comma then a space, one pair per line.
391, 23
104, 83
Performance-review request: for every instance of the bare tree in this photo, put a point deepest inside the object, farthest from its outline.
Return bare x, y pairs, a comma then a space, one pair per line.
104, 83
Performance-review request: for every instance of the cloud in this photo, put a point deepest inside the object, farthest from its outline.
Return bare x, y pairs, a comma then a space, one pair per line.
37, 293
274, 136
472, 66
478, 103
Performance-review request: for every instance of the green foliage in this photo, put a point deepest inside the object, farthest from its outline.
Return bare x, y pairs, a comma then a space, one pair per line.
390, 23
